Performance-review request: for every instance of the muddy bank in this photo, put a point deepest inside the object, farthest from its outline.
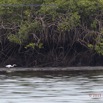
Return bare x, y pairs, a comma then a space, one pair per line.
50, 69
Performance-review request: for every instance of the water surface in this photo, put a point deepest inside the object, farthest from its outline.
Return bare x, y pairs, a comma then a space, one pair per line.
51, 87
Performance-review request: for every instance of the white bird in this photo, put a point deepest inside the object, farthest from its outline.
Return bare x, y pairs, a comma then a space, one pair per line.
10, 66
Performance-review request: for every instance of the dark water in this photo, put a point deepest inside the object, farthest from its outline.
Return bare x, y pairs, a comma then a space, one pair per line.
66, 87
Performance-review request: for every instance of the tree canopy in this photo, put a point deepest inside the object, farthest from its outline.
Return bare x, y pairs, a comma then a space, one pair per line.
34, 23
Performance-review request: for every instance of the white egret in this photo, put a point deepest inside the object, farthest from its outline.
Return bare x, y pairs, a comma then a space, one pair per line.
10, 66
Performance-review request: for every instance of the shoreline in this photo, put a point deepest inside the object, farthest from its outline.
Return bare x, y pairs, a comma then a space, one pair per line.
52, 69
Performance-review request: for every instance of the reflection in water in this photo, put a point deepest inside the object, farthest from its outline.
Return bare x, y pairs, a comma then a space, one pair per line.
51, 87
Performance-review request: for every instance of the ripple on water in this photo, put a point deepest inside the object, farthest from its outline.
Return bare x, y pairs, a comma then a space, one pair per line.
66, 88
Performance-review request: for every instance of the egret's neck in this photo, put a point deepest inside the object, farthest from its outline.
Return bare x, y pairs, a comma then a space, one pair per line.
13, 65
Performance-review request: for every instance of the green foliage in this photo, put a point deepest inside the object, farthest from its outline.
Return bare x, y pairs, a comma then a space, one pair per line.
99, 47
21, 21
26, 29
40, 45
90, 46
94, 24
15, 39
69, 22
31, 45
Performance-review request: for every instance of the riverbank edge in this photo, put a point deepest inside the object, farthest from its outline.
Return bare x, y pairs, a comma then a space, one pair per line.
51, 69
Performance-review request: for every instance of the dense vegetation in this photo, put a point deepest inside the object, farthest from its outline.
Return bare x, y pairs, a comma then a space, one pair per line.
51, 32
